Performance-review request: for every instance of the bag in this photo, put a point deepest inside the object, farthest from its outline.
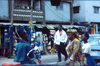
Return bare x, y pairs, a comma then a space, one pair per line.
52, 50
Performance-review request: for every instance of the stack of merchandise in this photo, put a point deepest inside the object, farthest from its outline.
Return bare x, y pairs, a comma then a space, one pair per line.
35, 48
15, 41
5, 37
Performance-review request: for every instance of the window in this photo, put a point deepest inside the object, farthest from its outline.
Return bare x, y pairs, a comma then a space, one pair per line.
60, 7
26, 4
76, 9
96, 9
21, 4
36, 5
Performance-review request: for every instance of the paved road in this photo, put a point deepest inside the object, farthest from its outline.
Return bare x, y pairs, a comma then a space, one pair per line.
47, 60
52, 59
4, 59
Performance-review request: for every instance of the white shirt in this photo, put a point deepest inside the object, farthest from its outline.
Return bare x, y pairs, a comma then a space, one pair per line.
86, 48
60, 37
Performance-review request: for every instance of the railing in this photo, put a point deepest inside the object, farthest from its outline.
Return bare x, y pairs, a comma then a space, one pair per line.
24, 15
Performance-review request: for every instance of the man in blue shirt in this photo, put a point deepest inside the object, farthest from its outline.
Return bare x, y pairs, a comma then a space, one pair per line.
22, 48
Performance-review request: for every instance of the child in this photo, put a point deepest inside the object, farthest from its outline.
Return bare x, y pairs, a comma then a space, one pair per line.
86, 50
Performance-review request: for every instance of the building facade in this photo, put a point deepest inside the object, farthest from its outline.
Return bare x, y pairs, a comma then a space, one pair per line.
21, 11
57, 14
42, 11
86, 12
4, 11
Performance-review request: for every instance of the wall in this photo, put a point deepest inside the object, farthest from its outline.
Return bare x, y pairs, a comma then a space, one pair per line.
4, 7
79, 17
52, 14
87, 11
90, 15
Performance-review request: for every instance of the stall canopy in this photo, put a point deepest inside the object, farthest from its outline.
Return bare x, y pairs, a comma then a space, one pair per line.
72, 26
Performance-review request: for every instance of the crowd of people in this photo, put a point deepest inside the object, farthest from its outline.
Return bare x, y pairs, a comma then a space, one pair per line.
67, 44
75, 53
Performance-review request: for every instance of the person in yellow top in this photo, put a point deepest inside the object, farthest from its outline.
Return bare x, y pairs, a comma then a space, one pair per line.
73, 49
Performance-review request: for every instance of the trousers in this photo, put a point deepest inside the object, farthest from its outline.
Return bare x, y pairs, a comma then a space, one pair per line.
61, 49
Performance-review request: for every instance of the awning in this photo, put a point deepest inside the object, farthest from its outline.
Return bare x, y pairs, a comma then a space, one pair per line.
51, 26
39, 26
71, 26
17, 24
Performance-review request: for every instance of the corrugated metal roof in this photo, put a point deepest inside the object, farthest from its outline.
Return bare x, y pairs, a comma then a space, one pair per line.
39, 26
3, 23
62, 0
66, 0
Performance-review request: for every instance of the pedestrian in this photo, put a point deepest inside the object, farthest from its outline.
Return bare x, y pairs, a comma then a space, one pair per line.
73, 49
60, 39
21, 50
86, 50
51, 40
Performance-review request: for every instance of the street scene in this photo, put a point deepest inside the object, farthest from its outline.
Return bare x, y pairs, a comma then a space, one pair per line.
49, 32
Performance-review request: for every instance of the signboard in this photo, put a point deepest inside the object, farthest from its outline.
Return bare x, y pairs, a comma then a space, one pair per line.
52, 31
39, 36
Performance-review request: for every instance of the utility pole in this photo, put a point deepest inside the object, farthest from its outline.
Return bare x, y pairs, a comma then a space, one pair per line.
31, 12
30, 22
11, 29
12, 7
71, 12
44, 23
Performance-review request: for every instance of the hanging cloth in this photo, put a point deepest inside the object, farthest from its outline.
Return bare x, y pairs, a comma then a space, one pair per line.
11, 30
6, 37
31, 34
0, 38
21, 29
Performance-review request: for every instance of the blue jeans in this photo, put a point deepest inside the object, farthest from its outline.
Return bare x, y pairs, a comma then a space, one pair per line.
90, 61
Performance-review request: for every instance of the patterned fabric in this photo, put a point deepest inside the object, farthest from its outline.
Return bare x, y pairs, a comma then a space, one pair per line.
6, 37
74, 50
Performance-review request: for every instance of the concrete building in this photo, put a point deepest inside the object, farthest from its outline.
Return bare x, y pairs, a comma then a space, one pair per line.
40, 12
43, 11
86, 12
4, 10
57, 14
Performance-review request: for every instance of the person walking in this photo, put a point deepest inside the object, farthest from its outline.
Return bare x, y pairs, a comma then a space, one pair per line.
60, 39
73, 49
86, 50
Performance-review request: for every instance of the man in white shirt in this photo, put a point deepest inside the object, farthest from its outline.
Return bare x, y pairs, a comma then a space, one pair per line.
60, 38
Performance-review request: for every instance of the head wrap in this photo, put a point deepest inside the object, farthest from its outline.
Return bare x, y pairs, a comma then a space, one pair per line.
73, 31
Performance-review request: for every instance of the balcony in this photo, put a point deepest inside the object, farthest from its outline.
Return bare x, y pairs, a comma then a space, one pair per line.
22, 10
24, 15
